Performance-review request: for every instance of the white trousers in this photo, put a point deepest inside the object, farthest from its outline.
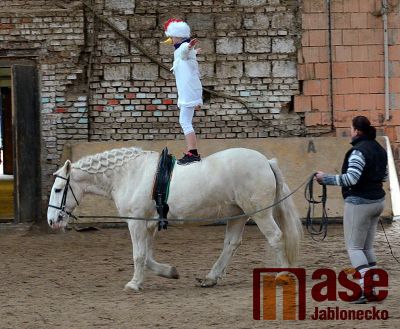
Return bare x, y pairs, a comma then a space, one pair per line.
185, 119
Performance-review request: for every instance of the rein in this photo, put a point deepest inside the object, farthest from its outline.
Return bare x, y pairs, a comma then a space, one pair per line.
308, 194
312, 202
195, 220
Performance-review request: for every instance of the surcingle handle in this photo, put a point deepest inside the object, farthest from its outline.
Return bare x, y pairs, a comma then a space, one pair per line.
162, 210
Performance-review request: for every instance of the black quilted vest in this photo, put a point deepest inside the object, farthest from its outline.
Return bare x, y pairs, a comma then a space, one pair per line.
369, 185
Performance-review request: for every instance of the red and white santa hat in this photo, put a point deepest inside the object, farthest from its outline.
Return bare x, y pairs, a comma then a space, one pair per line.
176, 28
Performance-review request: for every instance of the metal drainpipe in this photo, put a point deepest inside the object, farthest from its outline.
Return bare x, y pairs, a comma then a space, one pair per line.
330, 97
386, 55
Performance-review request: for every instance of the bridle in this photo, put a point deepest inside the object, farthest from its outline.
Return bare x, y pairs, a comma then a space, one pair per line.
67, 187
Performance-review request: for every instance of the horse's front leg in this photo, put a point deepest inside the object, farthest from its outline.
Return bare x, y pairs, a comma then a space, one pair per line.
233, 238
139, 234
164, 270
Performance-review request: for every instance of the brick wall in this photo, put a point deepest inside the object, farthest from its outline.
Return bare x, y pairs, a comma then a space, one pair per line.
95, 87
248, 50
357, 55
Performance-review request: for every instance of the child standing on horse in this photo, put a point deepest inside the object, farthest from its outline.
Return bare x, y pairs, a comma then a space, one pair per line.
187, 76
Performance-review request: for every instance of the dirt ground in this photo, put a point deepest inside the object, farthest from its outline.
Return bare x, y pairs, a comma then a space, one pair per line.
75, 280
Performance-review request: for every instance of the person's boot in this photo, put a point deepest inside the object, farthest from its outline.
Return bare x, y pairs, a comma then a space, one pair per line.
188, 158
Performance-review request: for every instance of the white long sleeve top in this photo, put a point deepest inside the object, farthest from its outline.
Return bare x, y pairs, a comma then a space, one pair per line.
187, 76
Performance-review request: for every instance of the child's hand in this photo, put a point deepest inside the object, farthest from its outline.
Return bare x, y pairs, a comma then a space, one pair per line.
192, 43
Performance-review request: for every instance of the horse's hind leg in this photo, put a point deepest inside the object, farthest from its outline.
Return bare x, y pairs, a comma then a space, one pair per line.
164, 270
267, 225
138, 231
233, 238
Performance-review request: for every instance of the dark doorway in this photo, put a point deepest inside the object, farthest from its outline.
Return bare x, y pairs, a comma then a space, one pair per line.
6, 148
6, 130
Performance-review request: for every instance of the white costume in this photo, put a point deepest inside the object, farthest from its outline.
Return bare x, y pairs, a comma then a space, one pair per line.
187, 75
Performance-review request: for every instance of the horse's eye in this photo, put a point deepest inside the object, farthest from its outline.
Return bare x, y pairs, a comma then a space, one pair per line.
57, 190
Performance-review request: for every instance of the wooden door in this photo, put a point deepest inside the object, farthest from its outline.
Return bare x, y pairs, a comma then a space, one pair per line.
27, 141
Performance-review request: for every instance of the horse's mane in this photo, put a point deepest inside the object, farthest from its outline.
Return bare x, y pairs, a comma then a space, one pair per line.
101, 162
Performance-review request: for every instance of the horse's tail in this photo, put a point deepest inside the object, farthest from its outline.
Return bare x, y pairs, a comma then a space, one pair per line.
286, 215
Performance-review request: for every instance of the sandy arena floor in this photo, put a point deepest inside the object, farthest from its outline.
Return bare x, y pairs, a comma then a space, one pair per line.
75, 280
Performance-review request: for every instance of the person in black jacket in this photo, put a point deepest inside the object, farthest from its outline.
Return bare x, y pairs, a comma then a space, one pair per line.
363, 172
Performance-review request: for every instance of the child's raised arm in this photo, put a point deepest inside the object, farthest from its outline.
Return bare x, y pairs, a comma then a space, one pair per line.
186, 47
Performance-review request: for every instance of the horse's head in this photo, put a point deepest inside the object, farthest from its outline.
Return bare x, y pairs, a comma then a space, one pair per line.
64, 197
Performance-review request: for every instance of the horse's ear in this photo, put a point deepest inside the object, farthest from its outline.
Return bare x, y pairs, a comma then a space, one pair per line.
67, 167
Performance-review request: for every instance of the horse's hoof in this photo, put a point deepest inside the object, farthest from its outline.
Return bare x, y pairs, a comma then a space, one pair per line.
174, 273
130, 286
207, 282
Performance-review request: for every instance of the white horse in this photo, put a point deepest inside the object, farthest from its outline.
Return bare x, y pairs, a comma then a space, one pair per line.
228, 183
